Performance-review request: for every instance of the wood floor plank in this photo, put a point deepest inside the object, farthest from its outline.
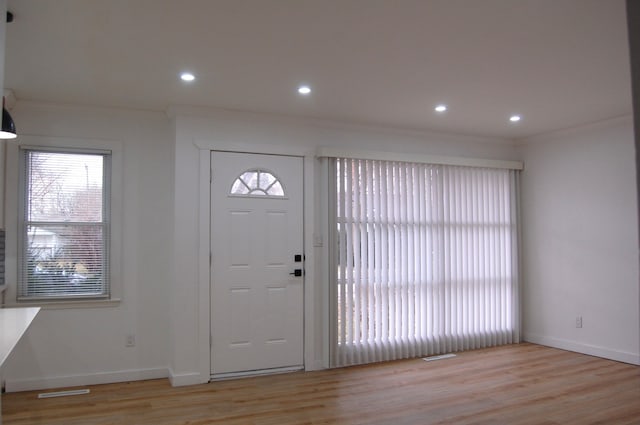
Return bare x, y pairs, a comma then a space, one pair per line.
521, 384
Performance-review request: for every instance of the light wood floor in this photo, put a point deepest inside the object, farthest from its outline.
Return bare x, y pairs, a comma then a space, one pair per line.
519, 384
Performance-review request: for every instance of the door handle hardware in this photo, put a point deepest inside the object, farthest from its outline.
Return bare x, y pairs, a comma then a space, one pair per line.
296, 273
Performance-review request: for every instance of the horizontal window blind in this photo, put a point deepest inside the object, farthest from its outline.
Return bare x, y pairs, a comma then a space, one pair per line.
65, 228
426, 259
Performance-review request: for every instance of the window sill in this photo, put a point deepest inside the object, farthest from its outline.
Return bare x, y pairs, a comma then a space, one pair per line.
66, 305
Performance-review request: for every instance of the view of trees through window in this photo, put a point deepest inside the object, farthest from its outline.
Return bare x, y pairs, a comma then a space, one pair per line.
64, 252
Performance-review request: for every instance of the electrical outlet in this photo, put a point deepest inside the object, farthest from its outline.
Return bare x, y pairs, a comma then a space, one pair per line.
131, 341
578, 321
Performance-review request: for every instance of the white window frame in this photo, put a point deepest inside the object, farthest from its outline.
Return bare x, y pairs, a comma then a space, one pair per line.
12, 218
24, 223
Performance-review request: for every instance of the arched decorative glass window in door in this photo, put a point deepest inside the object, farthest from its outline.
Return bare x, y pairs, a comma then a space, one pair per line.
259, 183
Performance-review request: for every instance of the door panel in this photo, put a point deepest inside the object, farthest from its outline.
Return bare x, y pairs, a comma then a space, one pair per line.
256, 305
240, 243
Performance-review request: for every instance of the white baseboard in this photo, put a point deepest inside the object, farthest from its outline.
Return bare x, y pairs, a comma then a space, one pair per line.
183, 379
578, 347
30, 384
317, 365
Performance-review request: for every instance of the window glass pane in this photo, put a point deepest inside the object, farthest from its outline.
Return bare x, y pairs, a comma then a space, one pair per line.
265, 180
64, 260
257, 183
64, 187
250, 178
239, 188
275, 190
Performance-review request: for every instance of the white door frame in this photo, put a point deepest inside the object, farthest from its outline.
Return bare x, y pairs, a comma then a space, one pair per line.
316, 316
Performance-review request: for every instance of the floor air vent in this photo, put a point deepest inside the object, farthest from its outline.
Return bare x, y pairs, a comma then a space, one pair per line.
440, 357
63, 393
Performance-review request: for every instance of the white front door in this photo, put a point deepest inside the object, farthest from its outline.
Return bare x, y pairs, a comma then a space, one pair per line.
256, 246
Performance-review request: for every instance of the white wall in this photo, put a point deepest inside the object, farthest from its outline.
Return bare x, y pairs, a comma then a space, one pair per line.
87, 346
161, 237
580, 240
198, 130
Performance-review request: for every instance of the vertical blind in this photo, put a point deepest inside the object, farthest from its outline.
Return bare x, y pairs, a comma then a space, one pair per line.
64, 224
426, 259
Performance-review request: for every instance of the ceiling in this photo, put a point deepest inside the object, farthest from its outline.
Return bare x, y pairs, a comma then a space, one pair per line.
558, 63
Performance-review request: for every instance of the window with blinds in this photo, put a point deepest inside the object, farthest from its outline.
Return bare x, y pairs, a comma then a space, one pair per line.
64, 224
425, 259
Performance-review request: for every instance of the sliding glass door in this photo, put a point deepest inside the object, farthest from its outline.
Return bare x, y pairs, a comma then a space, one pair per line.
425, 259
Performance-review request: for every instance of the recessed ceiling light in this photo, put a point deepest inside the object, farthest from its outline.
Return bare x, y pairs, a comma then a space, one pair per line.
187, 76
441, 108
304, 90
515, 118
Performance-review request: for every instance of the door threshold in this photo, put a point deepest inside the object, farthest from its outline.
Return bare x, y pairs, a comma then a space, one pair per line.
252, 373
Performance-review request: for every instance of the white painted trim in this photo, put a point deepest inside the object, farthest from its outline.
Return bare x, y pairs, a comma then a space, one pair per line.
39, 141
330, 152
67, 304
574, 131
326, 208
308, 228
578, 347
31, 384
12, 176
184, 379
349, 126
252, 373
204, 249
239, 147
